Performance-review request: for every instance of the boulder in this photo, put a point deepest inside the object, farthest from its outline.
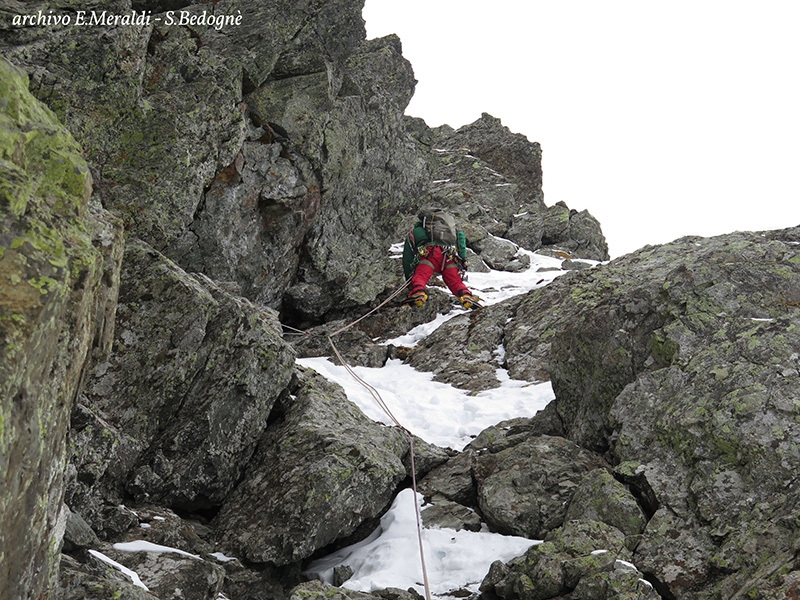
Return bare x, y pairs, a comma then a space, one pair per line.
600, 497
443, 513
501, 255
513, 431
94, 579
316, 590
575, 233
339, 472
169, 574
190, 383
584, 560
77, 533
464, 351
685, 374
452, 481
525, 490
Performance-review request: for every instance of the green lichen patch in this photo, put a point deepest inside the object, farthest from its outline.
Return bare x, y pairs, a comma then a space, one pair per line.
39, 159
49, 277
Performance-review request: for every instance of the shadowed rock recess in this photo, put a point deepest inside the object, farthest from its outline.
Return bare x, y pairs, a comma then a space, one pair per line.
171, 196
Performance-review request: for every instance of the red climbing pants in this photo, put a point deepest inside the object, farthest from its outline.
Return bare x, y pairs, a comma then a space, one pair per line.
436, 260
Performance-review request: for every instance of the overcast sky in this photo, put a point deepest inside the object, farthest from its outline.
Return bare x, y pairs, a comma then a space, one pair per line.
661, 118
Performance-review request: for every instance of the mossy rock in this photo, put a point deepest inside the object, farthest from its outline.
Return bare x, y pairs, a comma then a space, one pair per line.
51, 297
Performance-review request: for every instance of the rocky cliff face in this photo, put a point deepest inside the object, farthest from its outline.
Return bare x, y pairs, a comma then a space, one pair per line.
678, 365
259, 173
59, 260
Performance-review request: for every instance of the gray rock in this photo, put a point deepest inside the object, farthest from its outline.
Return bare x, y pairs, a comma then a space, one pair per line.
443, 513
585, 238
354, 344
250, 226
77, 533
345, 470
59, 277
575, 265
452, 480
600, 497
464, 351
163, 527
341, 573
658, 554
492, 179
475, 264
576, 233
192, 379
527, 229
348, 126
171, 575
508, 153
362, 343
97, 447
584, 559
95, 580
686, 372
507, 434
525, 490
497, 253
511, 432
314, 86
317, 590
309, 299
678, 364
245, 583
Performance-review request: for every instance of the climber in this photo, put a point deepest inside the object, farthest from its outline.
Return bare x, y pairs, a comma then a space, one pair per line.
434, 245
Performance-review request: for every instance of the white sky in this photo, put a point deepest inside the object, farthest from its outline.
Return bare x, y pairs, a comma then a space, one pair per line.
662, 119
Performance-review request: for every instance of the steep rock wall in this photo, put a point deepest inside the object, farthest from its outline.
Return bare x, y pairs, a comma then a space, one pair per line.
192, 107
59, 272
274, 153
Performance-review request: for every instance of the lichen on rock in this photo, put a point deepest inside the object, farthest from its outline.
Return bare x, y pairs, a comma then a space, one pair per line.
54, 305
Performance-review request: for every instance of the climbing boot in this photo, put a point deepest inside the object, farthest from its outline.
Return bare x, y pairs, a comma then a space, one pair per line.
469, 301
416, 299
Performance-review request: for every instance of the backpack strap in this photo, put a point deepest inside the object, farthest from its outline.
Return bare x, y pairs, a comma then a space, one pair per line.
412, 241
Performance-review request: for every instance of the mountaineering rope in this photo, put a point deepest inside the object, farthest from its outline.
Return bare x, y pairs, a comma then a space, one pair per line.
362, 317
376, 395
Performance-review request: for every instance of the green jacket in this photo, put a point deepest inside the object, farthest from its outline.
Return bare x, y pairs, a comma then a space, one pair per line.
418, 238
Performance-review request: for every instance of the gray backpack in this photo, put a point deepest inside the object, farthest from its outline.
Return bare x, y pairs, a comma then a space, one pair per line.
439, 225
